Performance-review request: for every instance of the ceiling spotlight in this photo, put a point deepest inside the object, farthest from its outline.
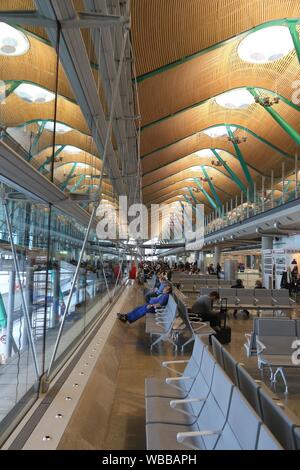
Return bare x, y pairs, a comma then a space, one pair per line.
60, 128
12, 41
58, 159
217, 163
206, 180
218, 131
237, 140
240, 98
266, 45
267, 101
34, 93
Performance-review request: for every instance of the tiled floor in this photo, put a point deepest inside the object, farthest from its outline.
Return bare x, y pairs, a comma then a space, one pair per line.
113, 416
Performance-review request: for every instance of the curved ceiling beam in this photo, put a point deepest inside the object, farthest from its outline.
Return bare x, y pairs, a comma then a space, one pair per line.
165, 181
213, 149
279, 22
238, 126
212, 98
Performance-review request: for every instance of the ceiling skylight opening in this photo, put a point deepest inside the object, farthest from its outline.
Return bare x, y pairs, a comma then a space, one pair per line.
34, 93
218, 131
196, 168
240, 98
60, 128
82, 165
72, 149
12, 41
205, 153
266, 45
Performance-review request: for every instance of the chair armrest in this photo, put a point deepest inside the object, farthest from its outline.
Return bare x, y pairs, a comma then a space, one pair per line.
169, 380
166, 365
174, 403
182, 436
260, 346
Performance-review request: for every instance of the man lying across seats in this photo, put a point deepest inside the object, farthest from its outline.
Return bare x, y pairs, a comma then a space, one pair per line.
155, 302
156, 292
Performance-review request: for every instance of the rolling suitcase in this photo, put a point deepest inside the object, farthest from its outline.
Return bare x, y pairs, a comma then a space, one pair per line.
223, 332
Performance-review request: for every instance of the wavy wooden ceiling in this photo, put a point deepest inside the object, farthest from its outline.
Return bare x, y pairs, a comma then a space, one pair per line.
177, 91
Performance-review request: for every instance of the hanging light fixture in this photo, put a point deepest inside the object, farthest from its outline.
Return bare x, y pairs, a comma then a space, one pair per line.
240, 98
218, 131
34, 93
266, 45
12, 41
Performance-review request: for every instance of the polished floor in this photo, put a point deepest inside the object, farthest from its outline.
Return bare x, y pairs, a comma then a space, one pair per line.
111, 413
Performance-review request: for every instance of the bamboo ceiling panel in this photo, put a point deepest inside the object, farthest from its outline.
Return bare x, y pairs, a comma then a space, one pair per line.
66, 157
67, 112
37, 66
209, 75
257, 154
164, 31
210, 114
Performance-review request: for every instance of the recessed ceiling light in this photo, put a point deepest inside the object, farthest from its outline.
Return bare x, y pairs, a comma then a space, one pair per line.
218, 131
34, 93
12, 41
72, 149
235, 99
266, 45
59, 128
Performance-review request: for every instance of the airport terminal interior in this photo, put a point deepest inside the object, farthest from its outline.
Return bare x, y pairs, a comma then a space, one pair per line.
149, 225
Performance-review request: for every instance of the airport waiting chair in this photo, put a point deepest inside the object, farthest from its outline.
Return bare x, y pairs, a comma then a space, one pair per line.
159, 410
211, 414
249, 388
297, 437
230, 295
230, 366
266, 441
282, 297
297, 328
180, 385
195, 326
246, 297
264, 298
268, 326
279, 420
217, 351
162, 324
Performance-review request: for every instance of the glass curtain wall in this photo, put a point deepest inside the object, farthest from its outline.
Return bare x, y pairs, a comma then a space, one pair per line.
40, 245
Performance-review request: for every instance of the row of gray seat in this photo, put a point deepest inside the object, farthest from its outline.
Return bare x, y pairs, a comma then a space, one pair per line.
260, 298
201, 409
192, 285
161, 323
272, 341
283, 424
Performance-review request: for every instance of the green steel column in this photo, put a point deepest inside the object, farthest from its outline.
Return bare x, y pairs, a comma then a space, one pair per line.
193, 196
229, 171
295, 36
3, 316
49, 159
279, 119
36, 139
66, 182
76, 185
212, 188
12, 86
242, 161
210, 199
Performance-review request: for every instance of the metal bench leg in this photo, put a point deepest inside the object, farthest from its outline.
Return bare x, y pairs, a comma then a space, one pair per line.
186, 343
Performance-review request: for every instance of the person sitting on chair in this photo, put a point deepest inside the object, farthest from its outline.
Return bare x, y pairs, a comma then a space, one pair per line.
203, 308
258, 284
157, 290
155, 302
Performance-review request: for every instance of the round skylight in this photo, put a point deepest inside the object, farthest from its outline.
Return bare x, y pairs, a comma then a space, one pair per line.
34, 93
235, 99
266, 45
12, 41
72, 149
196, 168
59, 128
218, 131
205, 153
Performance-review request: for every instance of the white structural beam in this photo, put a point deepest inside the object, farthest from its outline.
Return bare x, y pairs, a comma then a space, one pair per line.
75, 60
107, 44
81, 20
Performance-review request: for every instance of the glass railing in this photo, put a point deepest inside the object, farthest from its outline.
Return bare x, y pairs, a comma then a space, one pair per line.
248, 205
